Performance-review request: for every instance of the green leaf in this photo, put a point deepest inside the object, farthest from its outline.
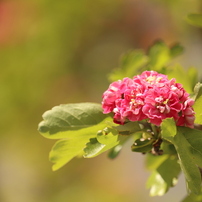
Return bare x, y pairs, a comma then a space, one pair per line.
169, 170
156, 184
114, 152
93, 148
124, 132
195, 19
153, 162
187, 143
107, 136
176, 50
192, 75
187, 160
128, 128
135, 62
168, 128
194, 138
193, 198
76, 124
197, 91
64, 150
159, 55
142, 145
63, 121
131, 62
164, 175
106, 139
198, 111
186, 78
168, 148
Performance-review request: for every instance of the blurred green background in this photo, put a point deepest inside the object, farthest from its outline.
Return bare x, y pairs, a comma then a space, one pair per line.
54, 52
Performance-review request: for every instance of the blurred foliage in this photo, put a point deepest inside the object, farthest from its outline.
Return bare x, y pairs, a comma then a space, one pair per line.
159, 58
195, 19
56, 52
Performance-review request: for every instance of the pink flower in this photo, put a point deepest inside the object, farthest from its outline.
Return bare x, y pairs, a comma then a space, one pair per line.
125, 99
114, 94
187, 117
151, 78
161, 103
150, 96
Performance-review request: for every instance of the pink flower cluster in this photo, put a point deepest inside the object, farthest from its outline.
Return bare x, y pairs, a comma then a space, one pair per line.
150, 96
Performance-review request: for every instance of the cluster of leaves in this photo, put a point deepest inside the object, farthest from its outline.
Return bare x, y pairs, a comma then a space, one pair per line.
83, 130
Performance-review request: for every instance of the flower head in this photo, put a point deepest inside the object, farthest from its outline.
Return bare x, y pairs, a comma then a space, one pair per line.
150, 96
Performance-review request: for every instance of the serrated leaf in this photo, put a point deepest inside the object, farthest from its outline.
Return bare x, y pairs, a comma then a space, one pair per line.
198, 111
76, 124
131, 62
64, 150
195, 19
63, 121
104, 141
164, 176
168, 128
187, 162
